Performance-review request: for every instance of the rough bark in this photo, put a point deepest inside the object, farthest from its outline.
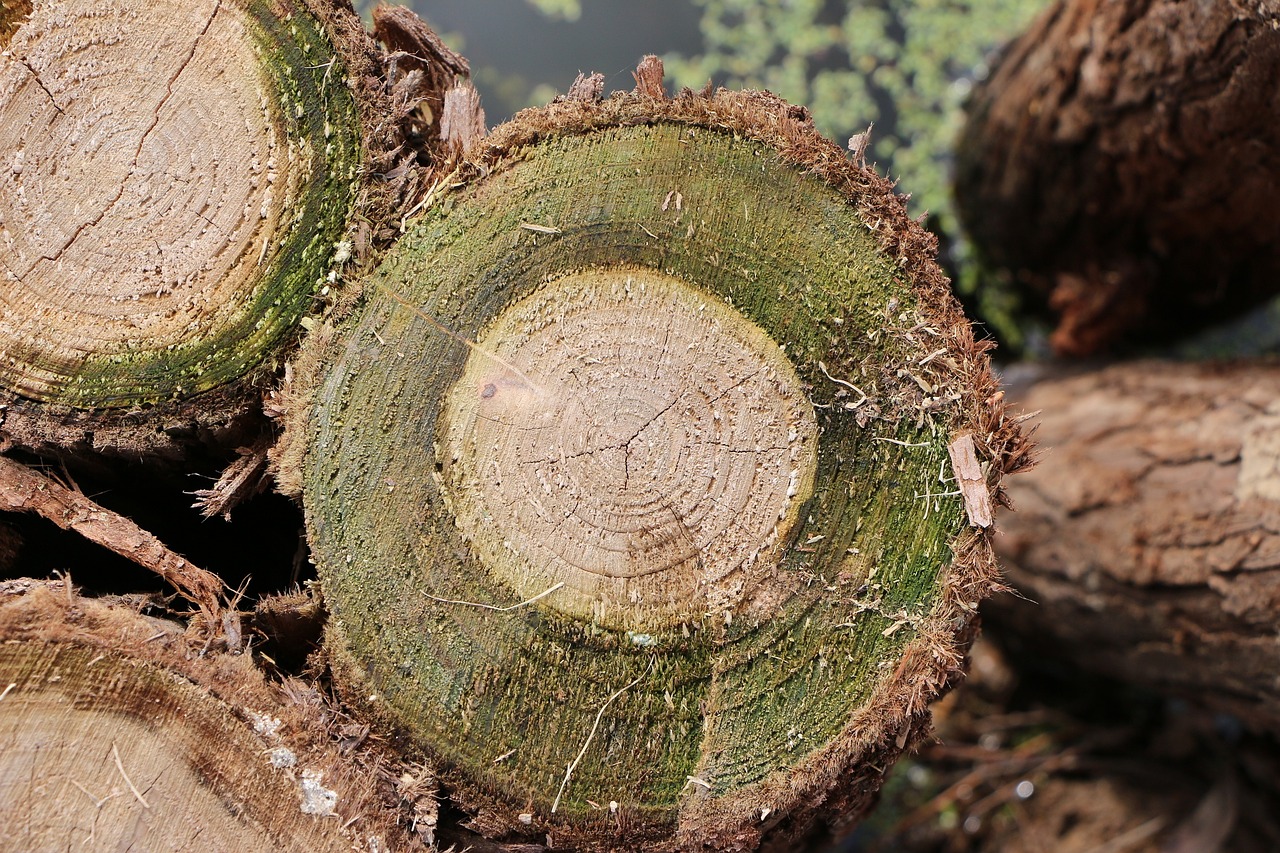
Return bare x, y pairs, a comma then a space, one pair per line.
181, 185
424, 69
118, 733
629, 480
1123, 161
1148, 537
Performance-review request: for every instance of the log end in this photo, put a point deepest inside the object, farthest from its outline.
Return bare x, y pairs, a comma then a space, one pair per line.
629, 483
118, 732
170, 218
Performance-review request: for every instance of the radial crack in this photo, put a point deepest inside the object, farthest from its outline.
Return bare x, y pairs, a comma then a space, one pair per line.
36, 77
142, 141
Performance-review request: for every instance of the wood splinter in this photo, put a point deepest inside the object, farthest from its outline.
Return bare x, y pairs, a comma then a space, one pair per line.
970, 480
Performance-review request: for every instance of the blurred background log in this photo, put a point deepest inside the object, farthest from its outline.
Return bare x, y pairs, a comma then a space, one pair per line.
1033, 756
1148, 537
1122, 161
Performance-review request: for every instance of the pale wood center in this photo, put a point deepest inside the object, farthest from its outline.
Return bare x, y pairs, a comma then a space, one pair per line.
145, 181
632, 442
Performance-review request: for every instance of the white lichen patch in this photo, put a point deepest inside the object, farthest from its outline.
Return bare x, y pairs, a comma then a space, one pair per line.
265, 724
316, 798
282, 757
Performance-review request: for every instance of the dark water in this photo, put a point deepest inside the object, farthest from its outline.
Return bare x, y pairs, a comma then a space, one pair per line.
519, 55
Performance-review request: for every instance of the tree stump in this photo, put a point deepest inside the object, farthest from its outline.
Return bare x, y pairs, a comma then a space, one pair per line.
1148, 535
1121, 160
632, 481
176, 184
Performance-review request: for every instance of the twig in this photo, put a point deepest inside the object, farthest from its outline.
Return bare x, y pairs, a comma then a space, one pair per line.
7, 689
494, 607
594, 726
1132, 838
900, 443
23, 489
694, 780
1024, 761
241, 480
97, 803
115, 753
447, 180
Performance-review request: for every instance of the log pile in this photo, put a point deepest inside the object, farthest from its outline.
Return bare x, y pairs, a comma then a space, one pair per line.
647, 462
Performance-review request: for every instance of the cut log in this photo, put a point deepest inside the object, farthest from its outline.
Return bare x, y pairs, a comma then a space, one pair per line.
115, 733
629, 485
1149, 535
176, 184
1123, 160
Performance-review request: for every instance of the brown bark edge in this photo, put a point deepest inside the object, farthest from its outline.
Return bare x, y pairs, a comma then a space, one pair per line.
283, 734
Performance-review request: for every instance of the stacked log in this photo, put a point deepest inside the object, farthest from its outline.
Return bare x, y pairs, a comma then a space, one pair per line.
1120, 162
644, 483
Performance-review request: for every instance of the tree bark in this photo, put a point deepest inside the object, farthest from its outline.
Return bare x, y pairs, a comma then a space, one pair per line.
1122, 160
1148, 537
179, 185
630, 480
25, 490
117, 733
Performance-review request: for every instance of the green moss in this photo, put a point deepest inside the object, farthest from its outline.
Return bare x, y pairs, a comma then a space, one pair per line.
317, 110
905, 66
730, 704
